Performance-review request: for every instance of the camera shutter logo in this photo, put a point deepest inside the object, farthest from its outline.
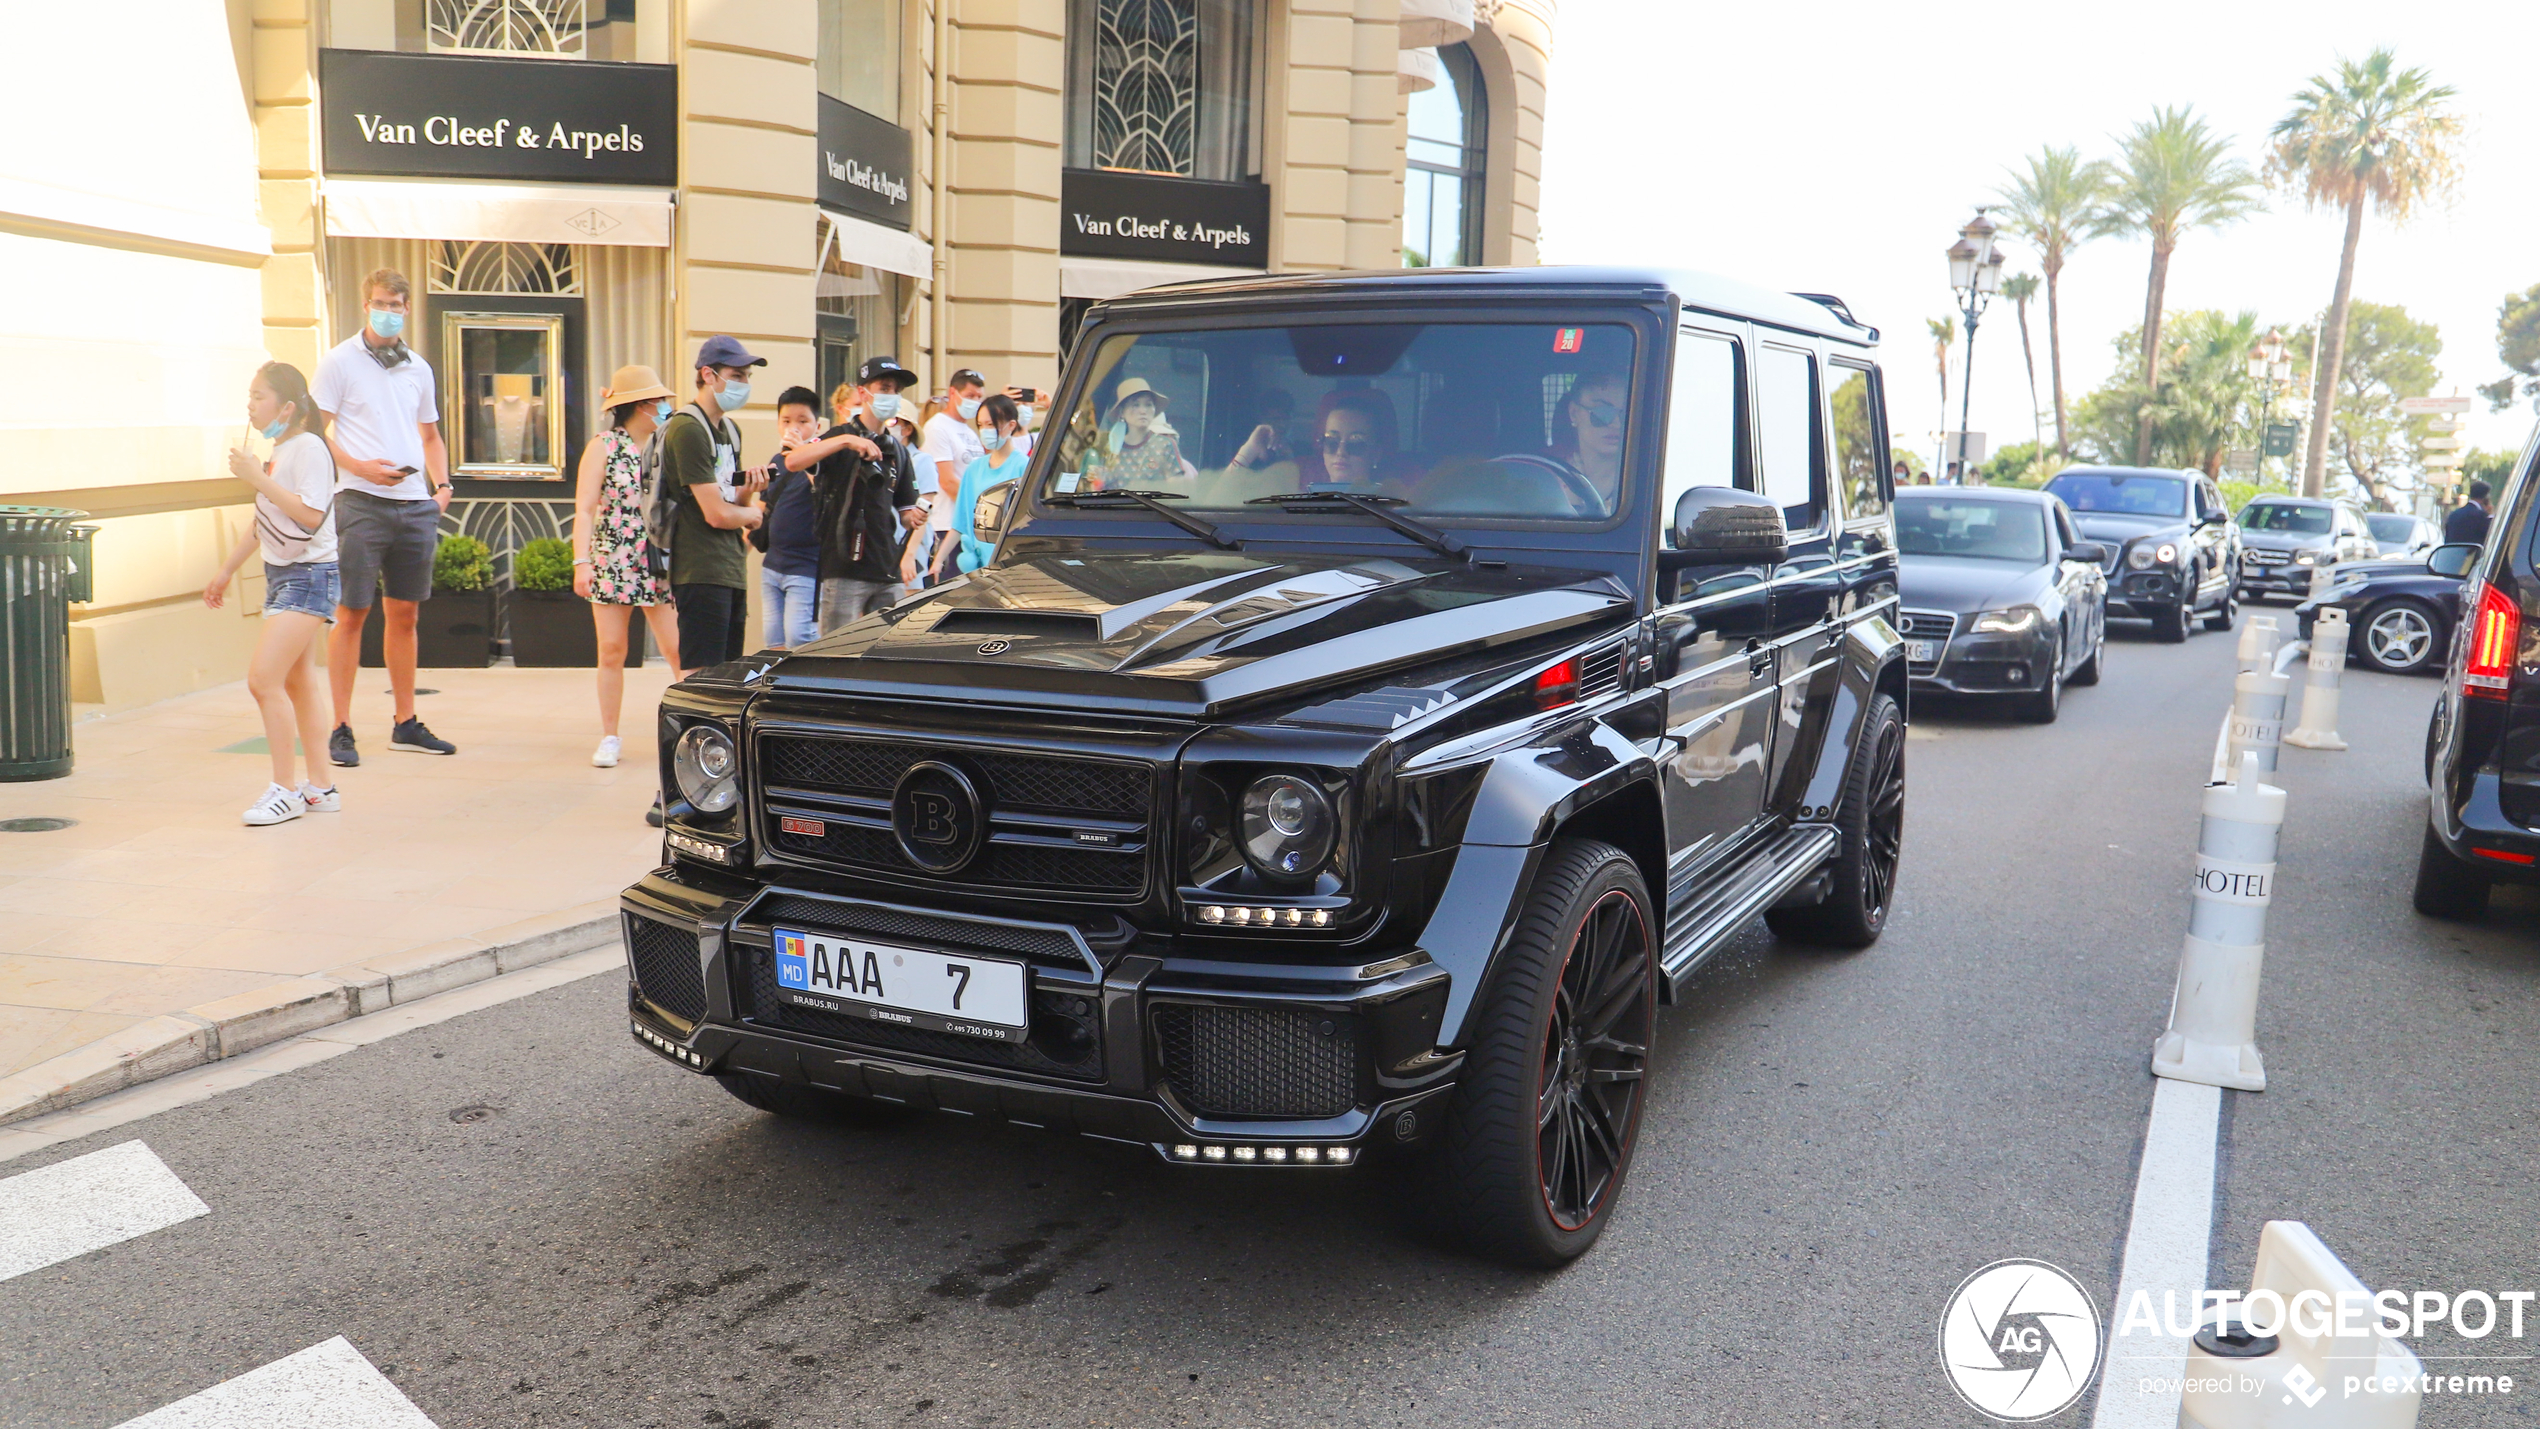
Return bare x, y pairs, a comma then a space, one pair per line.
2019, 1340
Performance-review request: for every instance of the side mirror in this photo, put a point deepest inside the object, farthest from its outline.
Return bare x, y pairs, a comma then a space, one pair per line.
2090, 551
2453, 560
1722, 526
987, 515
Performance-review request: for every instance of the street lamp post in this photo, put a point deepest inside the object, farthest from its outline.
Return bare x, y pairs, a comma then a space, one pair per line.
2273, 370
1975, 273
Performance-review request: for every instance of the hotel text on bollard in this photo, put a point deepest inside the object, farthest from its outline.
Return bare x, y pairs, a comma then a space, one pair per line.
2275, 1357
2318, 729
2258, 640
2212, 1037
2257, 720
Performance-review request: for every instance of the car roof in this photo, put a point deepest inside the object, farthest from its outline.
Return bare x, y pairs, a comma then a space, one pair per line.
1819, 315
2279, 499
2173, 473
2020, 494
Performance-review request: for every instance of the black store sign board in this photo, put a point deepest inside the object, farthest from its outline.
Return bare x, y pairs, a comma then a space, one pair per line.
1108, 215
473, 117
864, 164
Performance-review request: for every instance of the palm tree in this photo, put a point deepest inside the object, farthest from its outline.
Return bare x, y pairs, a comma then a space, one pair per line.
2020, 288
2173, 176
2054, 208
2208, 400
2366, 132
1944, 331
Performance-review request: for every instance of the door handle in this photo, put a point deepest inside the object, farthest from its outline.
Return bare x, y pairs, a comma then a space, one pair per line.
1758, 658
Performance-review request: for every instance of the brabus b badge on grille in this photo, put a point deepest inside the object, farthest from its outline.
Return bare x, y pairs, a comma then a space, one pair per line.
996, 647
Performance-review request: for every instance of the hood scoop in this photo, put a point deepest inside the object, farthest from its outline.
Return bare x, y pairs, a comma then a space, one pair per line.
988, 621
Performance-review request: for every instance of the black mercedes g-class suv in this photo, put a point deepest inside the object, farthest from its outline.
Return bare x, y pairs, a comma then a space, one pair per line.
1386, 691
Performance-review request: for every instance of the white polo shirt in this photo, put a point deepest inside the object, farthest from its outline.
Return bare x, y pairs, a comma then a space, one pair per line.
948, 438
375, 410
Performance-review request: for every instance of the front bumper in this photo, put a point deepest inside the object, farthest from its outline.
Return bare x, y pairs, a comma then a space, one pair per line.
1985, 664
2289, 580
1207, 1062
2141, 594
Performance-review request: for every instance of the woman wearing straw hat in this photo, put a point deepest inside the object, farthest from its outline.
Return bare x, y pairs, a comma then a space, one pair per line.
612, 558
1143, 449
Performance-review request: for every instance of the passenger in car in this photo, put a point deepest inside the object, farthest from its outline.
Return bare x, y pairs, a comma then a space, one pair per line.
1142, 453
1587, 433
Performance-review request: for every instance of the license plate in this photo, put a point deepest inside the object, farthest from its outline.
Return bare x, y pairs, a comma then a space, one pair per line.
975, 997
1922, 652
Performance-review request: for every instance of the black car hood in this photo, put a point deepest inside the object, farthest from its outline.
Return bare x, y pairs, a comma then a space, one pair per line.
2115, 528
1963, 585
1191, 633
2285, 540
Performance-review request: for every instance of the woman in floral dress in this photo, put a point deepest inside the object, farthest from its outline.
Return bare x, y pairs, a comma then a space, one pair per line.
610, 566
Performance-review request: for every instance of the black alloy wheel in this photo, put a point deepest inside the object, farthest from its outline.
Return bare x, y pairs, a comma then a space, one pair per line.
2446, 887
2398, 636
1540, 1133
2227, 613
1870, 830
2171, 625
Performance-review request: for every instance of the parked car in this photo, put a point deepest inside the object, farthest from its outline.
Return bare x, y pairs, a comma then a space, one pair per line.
2001, 595
2396, 534
2399, 614
1284, 795
2284, 538
2483, 746
2170, 550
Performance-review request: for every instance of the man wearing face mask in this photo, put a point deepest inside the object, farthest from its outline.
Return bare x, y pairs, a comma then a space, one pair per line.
951, 444
392, 475
865, 492
713, 505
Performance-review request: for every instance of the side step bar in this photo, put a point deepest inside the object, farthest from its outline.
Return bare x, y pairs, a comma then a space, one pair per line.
1696, 927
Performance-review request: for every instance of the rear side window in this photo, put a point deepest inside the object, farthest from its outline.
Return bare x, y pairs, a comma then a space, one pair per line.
1793, 457
1856, 443
1706, 421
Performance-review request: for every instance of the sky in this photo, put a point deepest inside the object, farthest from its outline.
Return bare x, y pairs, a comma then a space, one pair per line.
1838, 147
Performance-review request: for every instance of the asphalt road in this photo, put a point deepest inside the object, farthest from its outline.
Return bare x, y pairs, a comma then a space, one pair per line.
523, 1219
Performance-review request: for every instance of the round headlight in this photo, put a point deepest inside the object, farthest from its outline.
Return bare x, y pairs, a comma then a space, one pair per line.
707, 769
1287, 826
2165, 555
2139, 556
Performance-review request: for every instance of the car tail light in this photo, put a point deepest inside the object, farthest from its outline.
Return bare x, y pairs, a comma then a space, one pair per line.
2494, 634
1557, 686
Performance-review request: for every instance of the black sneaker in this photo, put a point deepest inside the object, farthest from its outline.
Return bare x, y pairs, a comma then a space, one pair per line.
411, 736
653, 815
339, 747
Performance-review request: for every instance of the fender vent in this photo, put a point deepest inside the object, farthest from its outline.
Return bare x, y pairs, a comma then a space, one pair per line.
1601, 671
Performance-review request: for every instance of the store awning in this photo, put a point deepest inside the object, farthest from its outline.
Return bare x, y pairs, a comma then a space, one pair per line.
1110, 277
498, 213
873, 246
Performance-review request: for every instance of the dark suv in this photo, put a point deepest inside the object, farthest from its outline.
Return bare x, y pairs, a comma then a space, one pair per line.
1387, 690
2482, 753
2166, 542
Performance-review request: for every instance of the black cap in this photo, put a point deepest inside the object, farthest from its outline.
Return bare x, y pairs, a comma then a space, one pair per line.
877, 368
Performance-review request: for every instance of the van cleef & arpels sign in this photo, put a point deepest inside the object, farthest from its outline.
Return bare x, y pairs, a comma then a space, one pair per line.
479, 117
1115, 215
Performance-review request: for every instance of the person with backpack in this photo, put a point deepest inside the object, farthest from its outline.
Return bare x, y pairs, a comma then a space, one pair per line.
865, 491
710, 500
789, 579
295, 529
614, 564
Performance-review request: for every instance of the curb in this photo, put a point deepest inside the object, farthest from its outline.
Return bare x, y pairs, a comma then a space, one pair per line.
229, 1026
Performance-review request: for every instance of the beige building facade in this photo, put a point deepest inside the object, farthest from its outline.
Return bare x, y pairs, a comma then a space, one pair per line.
571, 185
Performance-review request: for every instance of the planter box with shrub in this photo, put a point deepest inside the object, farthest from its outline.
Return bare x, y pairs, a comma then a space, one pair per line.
551, 626
455, 628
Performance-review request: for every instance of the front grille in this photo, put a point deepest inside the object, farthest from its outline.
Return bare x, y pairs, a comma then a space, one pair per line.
1928, 624
1065, 1038
666, 967
1031, 799
2266, 558
1259, 1061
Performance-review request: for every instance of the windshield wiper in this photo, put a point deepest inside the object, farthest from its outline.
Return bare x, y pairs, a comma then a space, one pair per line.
1445, 543
1153, 501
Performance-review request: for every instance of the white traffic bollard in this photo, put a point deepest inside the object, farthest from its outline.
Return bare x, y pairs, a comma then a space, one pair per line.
2212, 1036
2257, 720
2318, 729
2258, 640
2275, 1357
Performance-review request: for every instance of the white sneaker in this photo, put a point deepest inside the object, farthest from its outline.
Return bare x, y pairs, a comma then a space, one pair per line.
605, 757
278, 806
328, 800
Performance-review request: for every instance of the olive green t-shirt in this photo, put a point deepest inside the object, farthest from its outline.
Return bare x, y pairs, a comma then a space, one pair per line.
700, 554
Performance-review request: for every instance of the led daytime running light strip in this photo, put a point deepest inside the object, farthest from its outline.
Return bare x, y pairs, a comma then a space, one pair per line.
1217, 915
1265, 1155
676, 1052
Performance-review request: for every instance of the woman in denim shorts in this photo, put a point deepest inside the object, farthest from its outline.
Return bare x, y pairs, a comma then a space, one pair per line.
295, 532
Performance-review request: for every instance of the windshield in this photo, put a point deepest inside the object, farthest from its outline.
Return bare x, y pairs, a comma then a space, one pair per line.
2293, 520
1989, 530
2130, 495
1507, 420
2391, 529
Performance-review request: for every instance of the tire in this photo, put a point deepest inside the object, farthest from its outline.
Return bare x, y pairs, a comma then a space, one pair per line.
2171, 626
2446, 887
2227, 614
2399, 636
803, 1103
1539, 1135
1871, 829
2041, 706
2087, 672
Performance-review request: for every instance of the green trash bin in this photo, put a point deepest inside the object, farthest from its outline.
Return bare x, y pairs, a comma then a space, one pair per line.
44, 567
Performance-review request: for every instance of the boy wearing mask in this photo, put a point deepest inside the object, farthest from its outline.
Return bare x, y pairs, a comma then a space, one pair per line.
864, 496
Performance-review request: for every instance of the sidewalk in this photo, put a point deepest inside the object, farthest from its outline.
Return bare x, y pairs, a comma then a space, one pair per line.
158, 900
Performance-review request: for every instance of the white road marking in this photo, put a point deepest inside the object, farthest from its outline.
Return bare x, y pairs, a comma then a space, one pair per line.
326, 1386
88, 1203
2166, 1245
